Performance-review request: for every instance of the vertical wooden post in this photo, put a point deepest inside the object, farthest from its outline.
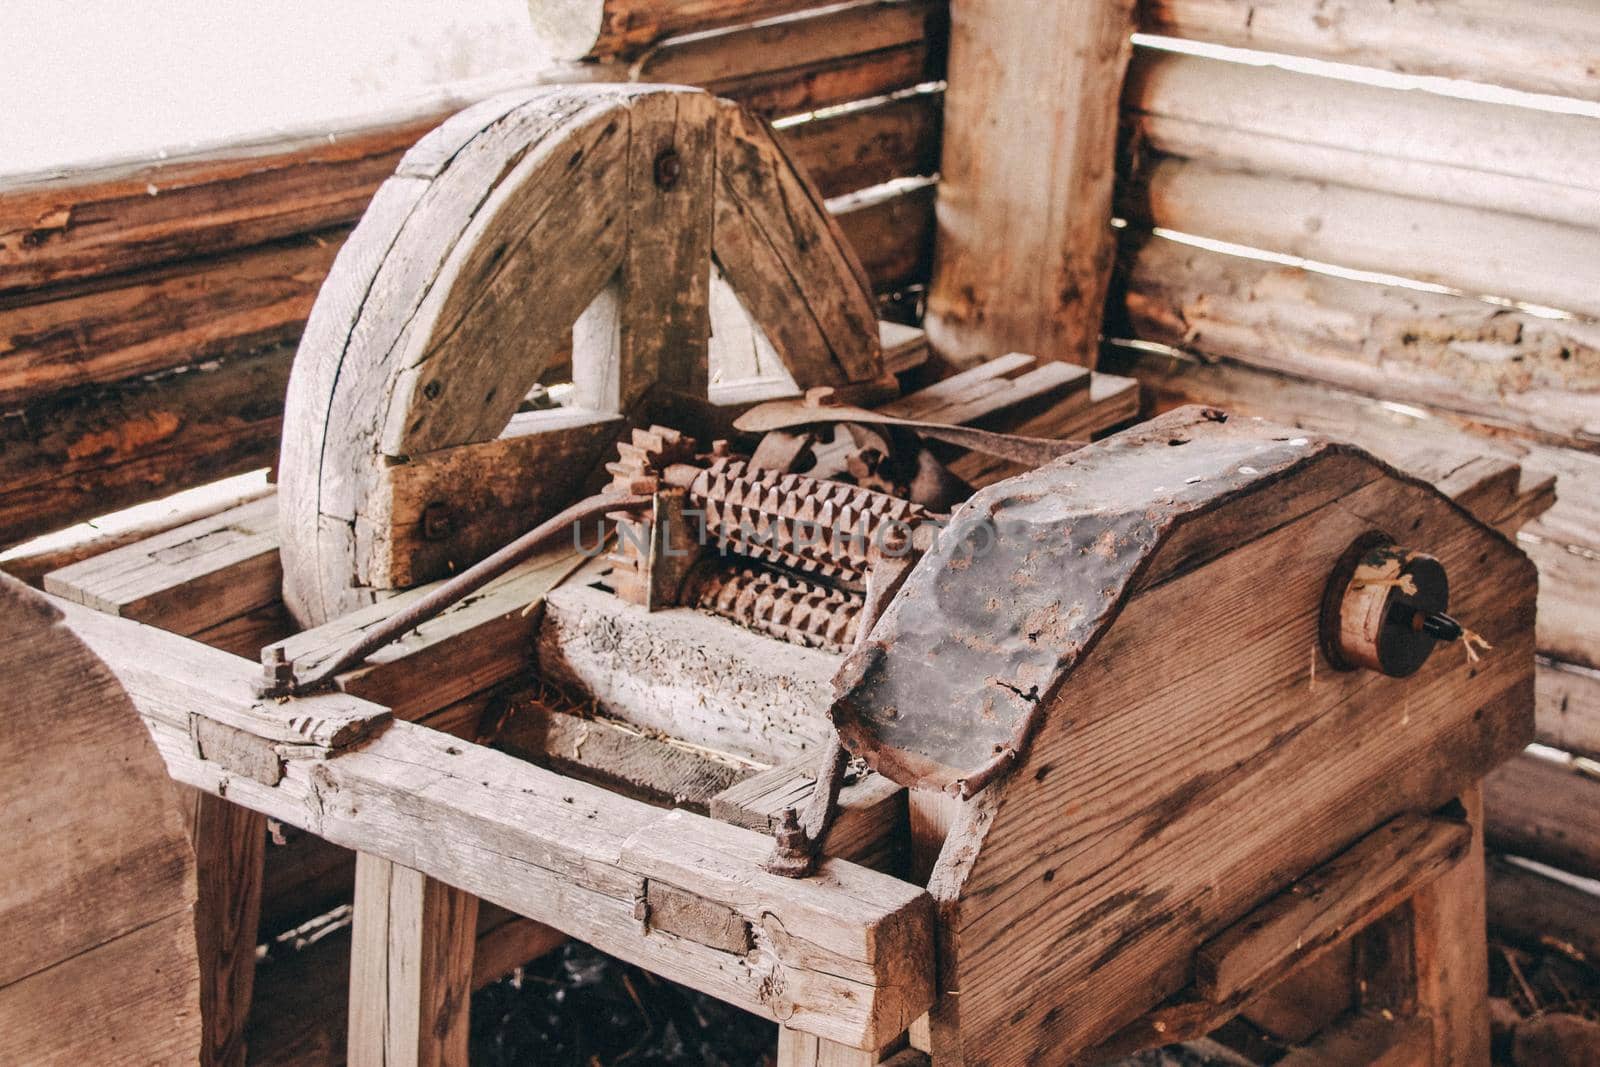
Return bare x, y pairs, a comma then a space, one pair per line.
410, 968
230, 846
803, 1050
1025, 248
1452, 954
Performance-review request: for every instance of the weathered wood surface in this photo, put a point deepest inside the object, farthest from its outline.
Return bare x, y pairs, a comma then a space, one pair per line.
610, 753
557, 850
1544, 48
1451, 953
411, 968
1372, 1040
1267, 120
1547, 809
72, 456
1482, 359
1332, 902
1474, 250
1530, 909
869, 828
186, 579
424, 338
1014, 880
1569, 708
1025, 246
97, 908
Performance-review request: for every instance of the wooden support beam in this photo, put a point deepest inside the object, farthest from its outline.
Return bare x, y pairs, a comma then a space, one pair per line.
1568, 708
595, 29
803, 1050
853, 947
411, 968
230, 844
1025, 244
1332, 902
1451, 952
1548, 48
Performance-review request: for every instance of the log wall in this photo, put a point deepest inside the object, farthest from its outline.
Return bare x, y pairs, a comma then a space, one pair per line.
1334, 242
149, 311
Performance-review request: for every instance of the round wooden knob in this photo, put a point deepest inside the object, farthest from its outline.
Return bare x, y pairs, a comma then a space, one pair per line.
1382, 607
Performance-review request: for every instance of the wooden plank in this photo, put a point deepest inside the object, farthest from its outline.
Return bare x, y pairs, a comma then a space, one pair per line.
471, 646
613, 754
1473, 250
869, 829
411, 965
1268, 120
1025, 245
1330, 903
891, 232
1546, 49
1111, 400
188, 579
1543, 807
74, 456
97, 906
1393, 343
853, 946
229, 847
804, 1050
1451, 952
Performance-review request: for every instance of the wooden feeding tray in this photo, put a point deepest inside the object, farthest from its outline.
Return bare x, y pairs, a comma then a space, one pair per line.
1149, 734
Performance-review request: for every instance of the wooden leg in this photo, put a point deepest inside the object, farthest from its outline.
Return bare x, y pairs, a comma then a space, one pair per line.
1452, 956
410, 968
230, 845
802, 1050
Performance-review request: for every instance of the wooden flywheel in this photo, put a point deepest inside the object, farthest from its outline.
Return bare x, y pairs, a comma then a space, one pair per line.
595, 217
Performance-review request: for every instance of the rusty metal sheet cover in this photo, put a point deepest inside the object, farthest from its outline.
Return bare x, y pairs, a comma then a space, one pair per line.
1022, 582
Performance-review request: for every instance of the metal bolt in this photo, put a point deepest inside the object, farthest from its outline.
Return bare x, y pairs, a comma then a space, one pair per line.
277, 673
668, 168
792, 856
436, 523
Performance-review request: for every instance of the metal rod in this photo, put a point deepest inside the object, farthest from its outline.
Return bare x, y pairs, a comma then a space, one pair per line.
461, 586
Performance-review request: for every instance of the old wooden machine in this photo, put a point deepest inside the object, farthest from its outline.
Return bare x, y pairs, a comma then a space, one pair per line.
1090, 759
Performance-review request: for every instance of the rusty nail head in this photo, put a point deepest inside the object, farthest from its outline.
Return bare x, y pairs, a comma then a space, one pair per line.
668, 168
436, 525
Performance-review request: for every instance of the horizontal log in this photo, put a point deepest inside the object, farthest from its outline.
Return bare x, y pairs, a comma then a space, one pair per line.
846, 956
865, 146
595, 29
1537, 912
158, 320
1468, 249
1548, 47
1545, 809
1385, 341
1268, 120
72, 456
124, 215
892, 234
1568, 709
